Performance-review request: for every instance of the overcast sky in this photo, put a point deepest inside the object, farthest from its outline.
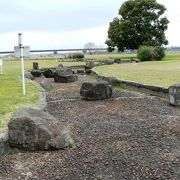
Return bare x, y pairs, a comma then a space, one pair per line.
47, 24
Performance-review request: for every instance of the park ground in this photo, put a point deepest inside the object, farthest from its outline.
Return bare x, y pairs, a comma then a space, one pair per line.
129, 136
163, 73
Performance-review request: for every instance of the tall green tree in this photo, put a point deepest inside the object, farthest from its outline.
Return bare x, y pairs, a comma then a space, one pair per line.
141, 22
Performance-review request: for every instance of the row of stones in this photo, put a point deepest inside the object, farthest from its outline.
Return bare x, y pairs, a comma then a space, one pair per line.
173, 91
31, 129
60, 74
49, 73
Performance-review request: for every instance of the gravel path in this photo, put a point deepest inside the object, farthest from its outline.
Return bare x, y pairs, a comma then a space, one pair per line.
130, 136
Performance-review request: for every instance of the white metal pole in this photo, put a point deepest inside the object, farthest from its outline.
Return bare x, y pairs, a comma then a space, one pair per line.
22, 62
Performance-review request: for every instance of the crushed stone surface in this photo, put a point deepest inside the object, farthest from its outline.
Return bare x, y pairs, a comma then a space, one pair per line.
129, 136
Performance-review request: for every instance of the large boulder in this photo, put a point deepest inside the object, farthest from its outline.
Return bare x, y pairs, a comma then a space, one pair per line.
28, 75
48, 73
65, 78
118, 61
89, 65
133, 60
80, 71
36, 73
88, 71
64, 75
174, 95
109, 61
46, 84
60, 66
96, 90
31, 129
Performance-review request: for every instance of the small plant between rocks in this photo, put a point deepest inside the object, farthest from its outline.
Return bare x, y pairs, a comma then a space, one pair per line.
69, 139
72, 145
51, 89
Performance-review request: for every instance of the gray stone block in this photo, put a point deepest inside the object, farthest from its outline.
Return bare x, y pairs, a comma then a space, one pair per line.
65, 78
31, 129
48, 73
80, 71
4, 144
28, 75
174, 94
64, 75
96, 90
36, 73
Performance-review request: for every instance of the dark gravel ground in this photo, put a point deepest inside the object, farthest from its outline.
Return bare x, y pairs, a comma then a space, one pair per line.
130, 136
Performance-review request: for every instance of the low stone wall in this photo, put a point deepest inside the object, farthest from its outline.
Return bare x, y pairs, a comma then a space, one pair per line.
113, 80
4, 144
4, 137
41, 104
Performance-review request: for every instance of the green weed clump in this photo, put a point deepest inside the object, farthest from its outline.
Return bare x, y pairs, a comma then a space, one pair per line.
72, 145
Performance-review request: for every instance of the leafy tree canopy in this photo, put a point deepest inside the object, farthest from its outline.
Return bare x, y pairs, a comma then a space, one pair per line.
141, 22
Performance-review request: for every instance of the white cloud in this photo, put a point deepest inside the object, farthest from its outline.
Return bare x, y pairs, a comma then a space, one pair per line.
59, 40
88, 30
172, 14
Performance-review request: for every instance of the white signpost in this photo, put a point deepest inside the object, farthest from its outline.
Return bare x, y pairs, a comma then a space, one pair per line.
17, 51
1, 64
22, 61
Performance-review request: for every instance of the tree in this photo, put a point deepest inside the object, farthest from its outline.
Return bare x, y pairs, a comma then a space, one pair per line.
141, 22
89, 46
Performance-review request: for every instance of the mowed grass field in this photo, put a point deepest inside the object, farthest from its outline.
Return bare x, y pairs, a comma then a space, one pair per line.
161, 73
11, 87
111, 56
168, 57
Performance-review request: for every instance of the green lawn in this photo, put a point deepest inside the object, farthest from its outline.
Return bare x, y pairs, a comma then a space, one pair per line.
171, 57
129, 56
11, 87
163, 73
110, 56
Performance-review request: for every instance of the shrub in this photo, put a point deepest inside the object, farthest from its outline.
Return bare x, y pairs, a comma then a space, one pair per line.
76, 55
159, 53
147, 53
